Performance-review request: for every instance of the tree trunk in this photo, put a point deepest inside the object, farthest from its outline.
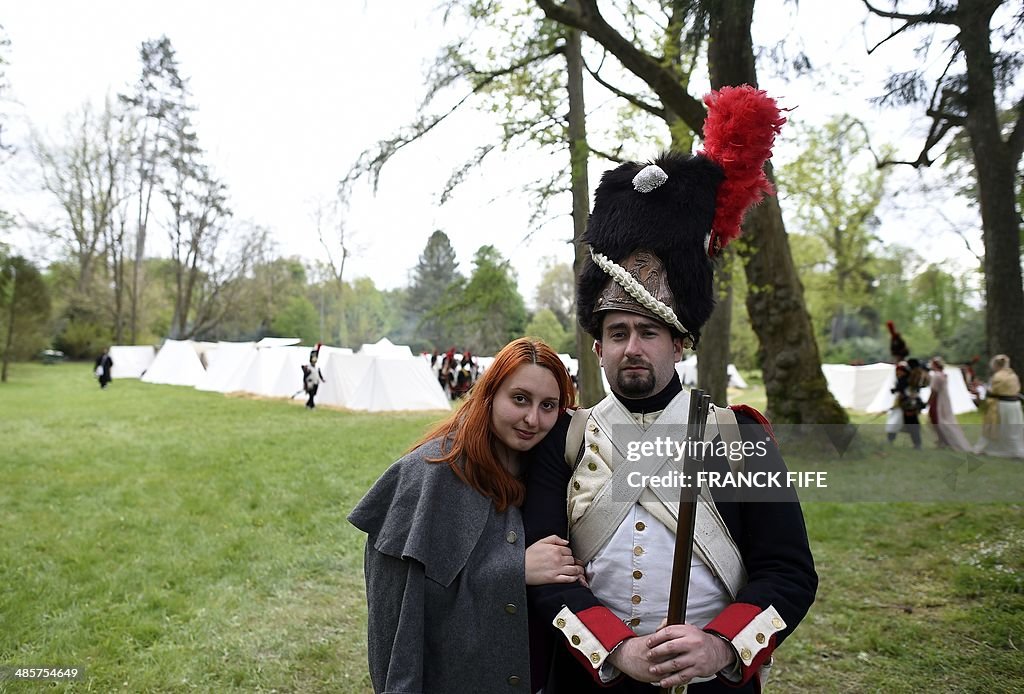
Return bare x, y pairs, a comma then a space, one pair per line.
995, 166
588, 374
796, 389
713, 350
9, 341
790, 361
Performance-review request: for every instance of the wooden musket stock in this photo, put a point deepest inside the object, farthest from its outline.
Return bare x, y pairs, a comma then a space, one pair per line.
692, 465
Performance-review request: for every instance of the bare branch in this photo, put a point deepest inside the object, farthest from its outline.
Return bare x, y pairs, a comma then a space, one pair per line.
631, 98
372, 161
615, 156
662, 80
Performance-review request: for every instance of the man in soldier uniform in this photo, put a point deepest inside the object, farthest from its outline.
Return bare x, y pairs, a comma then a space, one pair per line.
312, 377
644, 297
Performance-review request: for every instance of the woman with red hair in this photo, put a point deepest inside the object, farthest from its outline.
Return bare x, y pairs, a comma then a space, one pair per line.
446, 565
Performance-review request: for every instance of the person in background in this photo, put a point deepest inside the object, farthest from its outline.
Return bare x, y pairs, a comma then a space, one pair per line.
312, 377
940, 410
446, 562
1002, 433
906, 408
104, 364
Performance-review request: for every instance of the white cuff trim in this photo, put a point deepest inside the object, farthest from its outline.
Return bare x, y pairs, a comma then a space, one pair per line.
579, 637
755, 636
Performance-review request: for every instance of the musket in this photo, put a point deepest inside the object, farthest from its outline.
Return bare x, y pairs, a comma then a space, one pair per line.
696, 422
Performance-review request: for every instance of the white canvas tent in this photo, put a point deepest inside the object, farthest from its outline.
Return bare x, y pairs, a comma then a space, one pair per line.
380, 384
856, 387
177, 364
131, 361
385, 348
959, 397
687, 370
223, 363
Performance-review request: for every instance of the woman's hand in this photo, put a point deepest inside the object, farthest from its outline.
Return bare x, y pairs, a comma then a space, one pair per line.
550, 561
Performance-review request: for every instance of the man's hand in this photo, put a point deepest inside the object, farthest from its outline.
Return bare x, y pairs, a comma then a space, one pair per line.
631, 658
550, 561
681, 652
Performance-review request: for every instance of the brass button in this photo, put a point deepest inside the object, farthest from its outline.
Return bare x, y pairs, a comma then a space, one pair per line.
575, 640
759, 638
636, 599
635, 622
510, 608
594, 657
511, 537
576, 485
776, 622
640, 526
591, 466
594, 447
594, 429
745, 654
560, 623
513, 680
638, 550
638, 574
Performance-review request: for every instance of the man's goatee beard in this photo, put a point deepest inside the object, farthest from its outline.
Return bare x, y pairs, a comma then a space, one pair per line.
635, 388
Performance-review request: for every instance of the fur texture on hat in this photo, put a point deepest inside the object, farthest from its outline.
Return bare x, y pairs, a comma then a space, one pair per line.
672, 222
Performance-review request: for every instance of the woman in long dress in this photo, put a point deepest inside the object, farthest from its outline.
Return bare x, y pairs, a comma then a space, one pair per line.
940, 410
1002, 433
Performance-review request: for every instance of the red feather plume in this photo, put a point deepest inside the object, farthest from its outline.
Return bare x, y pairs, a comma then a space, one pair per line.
739, 132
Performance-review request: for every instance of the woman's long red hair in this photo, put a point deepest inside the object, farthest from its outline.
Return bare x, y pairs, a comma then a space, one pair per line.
469, 445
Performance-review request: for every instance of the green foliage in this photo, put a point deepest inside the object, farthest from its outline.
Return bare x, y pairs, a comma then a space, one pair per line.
370, 314
24, 310
546, 326
434, 273
487, 311
82, 339
298, 318
834, 189
556, 292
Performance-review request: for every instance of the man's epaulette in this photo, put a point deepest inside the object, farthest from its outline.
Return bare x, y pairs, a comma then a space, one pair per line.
754, 414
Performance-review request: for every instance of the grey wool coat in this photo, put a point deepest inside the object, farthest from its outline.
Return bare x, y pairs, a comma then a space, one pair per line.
445, 584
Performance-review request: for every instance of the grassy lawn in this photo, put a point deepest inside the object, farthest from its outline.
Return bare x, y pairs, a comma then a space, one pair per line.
171, 540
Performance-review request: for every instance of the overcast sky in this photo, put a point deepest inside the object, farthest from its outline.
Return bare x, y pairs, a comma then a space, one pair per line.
288, 94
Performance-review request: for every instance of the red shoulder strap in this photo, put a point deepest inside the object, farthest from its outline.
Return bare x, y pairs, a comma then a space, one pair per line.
751, 412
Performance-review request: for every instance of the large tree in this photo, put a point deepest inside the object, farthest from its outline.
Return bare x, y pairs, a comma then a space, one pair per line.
158, 101
976, 83
834, 191
488, 307
797, 390
435, 271
24, 311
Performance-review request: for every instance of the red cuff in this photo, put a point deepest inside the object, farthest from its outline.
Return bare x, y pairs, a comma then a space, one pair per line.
605, 626
609, 631
730, 622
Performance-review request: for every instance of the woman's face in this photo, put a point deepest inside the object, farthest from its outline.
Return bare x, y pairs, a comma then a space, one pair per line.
525, 407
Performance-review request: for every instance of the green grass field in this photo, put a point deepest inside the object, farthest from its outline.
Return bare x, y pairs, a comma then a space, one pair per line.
167, 539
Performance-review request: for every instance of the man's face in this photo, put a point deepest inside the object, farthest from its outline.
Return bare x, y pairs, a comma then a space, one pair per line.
638, 354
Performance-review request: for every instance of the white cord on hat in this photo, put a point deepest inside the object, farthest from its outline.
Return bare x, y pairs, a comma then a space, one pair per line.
637, 290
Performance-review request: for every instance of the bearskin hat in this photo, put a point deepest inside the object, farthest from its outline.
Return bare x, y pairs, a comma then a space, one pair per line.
656, 226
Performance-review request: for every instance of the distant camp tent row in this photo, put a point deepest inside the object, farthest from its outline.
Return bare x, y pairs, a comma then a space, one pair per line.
381, 377
384, 377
